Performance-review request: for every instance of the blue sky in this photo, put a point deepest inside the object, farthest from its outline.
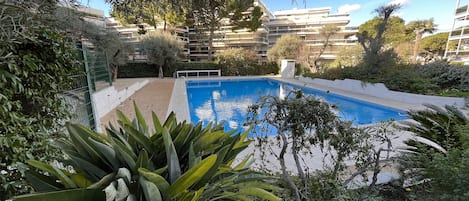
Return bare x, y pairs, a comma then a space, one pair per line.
360, 10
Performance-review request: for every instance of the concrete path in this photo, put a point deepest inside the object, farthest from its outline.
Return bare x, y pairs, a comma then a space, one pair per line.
154, 97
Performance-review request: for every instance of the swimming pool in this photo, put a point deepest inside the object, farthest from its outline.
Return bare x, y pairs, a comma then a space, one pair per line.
227, 101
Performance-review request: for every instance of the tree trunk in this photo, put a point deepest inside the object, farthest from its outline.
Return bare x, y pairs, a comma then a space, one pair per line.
418, 39
283, 167
114, 71
299, 168
210, 44
160, 72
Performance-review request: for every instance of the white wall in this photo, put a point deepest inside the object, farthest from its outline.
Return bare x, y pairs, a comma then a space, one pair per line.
105, 100
381, 91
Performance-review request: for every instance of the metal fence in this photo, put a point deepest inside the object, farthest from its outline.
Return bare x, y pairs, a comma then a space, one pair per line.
94, 76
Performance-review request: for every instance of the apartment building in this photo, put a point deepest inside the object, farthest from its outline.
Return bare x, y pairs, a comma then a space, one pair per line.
306, 23
226, 38
459, 34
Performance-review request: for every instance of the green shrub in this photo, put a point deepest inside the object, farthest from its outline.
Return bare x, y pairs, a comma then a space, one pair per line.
448, 175
172, 161
35, 67
444, 165
136, 70
196, 66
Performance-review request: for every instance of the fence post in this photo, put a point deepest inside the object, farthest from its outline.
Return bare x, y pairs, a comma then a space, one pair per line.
108, 68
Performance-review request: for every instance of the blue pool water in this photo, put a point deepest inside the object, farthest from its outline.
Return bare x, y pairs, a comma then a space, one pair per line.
227, 101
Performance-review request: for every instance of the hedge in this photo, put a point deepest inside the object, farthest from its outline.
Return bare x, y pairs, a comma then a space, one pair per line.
136, 70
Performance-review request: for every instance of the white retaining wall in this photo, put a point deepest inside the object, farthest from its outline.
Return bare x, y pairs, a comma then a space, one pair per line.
381, 91
109, 98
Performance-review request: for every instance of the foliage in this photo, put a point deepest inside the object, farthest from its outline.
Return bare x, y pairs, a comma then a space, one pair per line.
438, 125
35, 64
150, 12
162, 49
304, 123
375, 57
446, 76
448, 174
70, 20
133, 70
236, 61
438, 157
311, 56
209, 15
394, 34
420, 27
405, 51
286, 47
348, 56
434, 46
173, 161
437, 78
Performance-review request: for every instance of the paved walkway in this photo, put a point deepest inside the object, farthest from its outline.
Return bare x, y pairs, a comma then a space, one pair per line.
153, 97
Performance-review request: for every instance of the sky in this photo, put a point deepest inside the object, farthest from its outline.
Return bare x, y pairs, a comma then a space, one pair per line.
360, 10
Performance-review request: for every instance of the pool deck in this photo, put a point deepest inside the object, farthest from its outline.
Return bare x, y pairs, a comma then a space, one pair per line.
155, 96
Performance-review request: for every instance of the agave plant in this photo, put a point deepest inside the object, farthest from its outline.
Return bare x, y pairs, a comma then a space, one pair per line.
173, 161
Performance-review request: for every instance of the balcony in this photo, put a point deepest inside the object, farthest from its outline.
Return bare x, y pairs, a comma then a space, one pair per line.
460, 33
462, 13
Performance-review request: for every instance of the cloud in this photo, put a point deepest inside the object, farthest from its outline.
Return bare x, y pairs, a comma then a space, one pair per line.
400, 2
348, 8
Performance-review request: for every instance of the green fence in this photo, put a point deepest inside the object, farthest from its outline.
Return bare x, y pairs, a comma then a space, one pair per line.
98, 69
94, 76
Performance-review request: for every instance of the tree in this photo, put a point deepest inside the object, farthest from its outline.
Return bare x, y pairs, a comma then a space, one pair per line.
434, 46
348, 56
313, 56
373, 44
162, 49
36, 62
286, 47
393, 35
304, 123
236, 61
420, 27
209, 15
404, 50
172, 161
151, 12
109, 42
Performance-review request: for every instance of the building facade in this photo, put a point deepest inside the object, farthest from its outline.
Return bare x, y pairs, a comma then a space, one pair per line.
459, 34
305, 23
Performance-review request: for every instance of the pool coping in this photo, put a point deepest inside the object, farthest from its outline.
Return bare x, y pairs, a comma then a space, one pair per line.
180, 105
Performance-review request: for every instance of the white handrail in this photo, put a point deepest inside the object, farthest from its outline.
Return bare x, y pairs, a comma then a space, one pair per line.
205, 73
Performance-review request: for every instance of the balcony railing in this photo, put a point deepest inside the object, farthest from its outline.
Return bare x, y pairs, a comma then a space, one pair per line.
461, 10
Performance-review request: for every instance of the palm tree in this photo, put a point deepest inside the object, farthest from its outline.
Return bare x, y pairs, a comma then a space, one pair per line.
420, 27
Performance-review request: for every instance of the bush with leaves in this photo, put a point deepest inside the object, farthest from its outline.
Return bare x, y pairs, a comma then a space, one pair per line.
173, 161
438, 158
35, 64
286, 47
237, 61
